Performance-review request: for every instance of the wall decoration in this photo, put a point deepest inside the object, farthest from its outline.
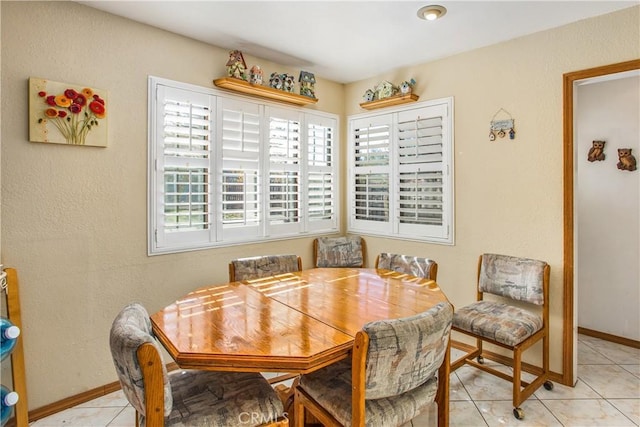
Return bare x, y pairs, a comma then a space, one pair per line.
406, 86
626, 161
307, 84
288, 83
255, 75
596, 152
500, 128
63, 113
275, 81
385, 89
236, 67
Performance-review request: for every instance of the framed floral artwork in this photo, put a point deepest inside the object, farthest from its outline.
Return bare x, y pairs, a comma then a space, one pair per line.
62, 113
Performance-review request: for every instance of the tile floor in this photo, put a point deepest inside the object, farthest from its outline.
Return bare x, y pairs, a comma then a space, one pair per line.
607, 394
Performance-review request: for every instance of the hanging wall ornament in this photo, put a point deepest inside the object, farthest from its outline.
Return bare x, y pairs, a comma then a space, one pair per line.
501, 127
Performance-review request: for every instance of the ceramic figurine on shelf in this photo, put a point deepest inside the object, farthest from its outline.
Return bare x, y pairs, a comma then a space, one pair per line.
255, 75
407, 86
236, 67
307, 81
369, 96
288, 83
385, 90
275, 81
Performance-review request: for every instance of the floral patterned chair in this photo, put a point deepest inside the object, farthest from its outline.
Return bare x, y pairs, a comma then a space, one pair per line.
390, 379
502, 322
407, 264
263, 266
185, 398
345, 251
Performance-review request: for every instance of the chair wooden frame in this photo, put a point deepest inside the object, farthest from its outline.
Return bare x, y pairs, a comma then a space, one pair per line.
303, 401
433, 268
522, 390
232, 270
362, 244
151, 366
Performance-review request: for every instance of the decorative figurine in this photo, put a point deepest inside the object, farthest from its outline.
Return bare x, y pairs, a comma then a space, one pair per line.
255, 75
369, 96
626, 160
288, 83
236, 67
385, 90
407, 86
275, 81
307, 81
596, 152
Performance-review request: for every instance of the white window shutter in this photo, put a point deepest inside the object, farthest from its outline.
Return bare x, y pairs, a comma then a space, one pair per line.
321, 173
184, 129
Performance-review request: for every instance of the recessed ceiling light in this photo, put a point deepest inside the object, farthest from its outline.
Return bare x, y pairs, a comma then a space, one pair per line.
431, 13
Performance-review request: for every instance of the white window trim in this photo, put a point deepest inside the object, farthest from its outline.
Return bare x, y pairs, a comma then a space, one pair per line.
304, 228
391, 229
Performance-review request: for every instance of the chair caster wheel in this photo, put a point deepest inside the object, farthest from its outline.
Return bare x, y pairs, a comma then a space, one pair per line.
548, 385
518, 413
480, 360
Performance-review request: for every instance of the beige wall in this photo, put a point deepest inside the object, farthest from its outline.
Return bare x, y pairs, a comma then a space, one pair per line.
74, 218
509, 193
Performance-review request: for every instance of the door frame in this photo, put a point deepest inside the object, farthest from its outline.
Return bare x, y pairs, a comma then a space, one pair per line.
570, 328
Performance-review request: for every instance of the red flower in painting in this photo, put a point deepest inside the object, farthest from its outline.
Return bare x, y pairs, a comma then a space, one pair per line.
76, 126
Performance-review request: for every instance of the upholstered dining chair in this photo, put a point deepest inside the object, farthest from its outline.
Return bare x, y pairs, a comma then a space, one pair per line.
509, 319
263, 266
407, 264
185, 398
390, 378
344, 251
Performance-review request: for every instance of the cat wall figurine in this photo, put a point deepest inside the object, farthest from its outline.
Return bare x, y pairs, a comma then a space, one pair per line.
596, 152
626, 161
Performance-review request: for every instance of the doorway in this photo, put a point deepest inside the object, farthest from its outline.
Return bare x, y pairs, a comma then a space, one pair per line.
570, 333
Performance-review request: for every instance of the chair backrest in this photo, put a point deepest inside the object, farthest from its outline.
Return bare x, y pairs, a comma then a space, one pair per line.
263, 266
404, 353
130, 331
345, 251
407, 264
521, 279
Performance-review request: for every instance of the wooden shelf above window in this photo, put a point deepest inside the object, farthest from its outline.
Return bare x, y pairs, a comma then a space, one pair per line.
238, 85
390, 101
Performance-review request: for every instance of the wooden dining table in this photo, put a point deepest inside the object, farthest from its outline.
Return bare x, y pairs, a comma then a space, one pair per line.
294, 322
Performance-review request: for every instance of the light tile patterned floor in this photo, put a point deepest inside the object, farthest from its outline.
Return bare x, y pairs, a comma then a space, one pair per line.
607, 394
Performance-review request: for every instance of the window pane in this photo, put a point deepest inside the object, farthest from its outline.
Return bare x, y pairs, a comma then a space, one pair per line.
186, 199
372, 197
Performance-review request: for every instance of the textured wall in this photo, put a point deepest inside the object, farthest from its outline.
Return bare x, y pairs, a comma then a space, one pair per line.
74, 218
509, 193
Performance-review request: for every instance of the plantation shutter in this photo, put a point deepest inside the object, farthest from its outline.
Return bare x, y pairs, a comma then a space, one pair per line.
184, 124
321, 173
421, 172
371, 144
401, 172
240, 165
284, 165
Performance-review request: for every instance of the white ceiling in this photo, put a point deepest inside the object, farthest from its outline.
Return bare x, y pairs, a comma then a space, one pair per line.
347, 41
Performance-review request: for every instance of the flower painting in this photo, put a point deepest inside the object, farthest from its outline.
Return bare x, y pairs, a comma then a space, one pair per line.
62, 113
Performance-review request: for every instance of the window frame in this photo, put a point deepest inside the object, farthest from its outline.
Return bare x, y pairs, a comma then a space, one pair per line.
392, 227
213, 235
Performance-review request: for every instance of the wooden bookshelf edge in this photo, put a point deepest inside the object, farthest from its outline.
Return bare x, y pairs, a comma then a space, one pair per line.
390, 101
242, 86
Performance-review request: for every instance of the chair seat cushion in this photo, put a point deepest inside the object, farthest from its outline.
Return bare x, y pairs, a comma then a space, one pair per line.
225, 399
503, 323
331, 388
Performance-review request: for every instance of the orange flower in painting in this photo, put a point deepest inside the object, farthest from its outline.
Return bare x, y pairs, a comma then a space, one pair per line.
76, 126
62, 101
